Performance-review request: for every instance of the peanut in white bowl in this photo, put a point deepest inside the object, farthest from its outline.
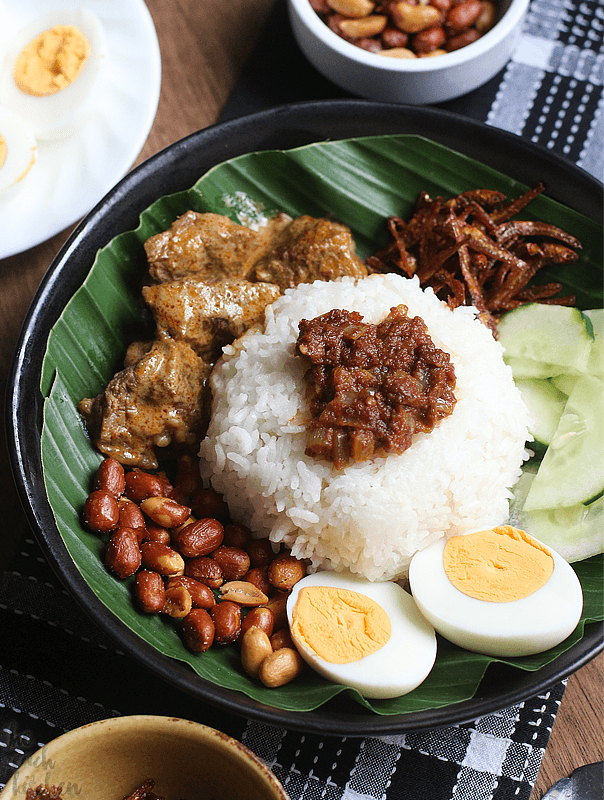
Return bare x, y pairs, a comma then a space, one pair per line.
415, 81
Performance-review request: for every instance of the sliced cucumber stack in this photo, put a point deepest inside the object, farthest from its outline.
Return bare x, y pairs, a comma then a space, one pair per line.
572, 470
557, 358
575, 532
545, 404
556, 338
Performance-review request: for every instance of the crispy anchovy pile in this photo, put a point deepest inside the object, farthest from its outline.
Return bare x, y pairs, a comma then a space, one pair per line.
471, 252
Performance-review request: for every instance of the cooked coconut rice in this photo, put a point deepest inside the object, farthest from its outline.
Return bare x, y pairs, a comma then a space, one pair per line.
370, 517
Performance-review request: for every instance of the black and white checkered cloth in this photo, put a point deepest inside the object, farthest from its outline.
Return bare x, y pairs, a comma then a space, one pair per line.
58, 671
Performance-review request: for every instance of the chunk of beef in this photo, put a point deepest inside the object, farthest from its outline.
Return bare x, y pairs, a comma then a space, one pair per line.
207, 246
308, 249
284, 252
208, 316
159, 399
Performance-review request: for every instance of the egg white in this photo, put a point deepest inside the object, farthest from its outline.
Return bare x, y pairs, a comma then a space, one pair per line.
21, 153
57, 115
396, 668
522, 627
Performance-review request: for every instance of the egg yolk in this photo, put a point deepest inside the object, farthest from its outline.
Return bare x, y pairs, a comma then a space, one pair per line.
498, 565
339, 625
3, 150
51, 61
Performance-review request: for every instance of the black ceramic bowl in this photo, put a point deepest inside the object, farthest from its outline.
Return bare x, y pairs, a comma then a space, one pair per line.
176, 168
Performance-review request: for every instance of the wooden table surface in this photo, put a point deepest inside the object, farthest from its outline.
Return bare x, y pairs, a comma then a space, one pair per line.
204, 44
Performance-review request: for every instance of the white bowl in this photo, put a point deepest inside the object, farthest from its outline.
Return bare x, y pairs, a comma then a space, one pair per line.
416, 81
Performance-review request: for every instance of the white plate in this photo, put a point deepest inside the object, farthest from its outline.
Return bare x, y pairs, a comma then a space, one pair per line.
71, 175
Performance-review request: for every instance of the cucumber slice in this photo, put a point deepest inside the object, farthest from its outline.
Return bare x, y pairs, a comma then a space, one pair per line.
595, 363
545, 404
575, 532
527, 369
564, 383
572, 470
550, 334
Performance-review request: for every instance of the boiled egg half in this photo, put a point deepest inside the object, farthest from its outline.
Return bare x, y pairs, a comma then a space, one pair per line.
369, 636
499, 592
17, 153
51, 69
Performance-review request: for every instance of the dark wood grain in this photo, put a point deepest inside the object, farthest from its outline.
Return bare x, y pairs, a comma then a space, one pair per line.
204, 44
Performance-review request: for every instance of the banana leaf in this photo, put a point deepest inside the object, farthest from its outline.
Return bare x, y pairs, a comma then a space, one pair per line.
359, 182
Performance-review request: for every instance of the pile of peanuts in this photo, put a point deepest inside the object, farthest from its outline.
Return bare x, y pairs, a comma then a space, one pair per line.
408, 29
192, 563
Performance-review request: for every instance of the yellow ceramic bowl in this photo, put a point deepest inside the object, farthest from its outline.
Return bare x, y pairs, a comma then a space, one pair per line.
107, 760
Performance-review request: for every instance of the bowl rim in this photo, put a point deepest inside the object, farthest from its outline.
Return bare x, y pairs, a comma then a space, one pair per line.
164, 725
510, 19
297, 123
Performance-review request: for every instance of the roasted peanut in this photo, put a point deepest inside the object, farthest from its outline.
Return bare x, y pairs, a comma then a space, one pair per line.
198, 630
208, 503
285, 571
369, 44
437, 52
429, 40
130, 515
140, 485
178, 602
201, 595
150, 591
282, 638
227, 622
198, 538
278, 605
464, 15
243, 593
160, 558
189, 521
101, 512
412, 19
443, 6
255, 647
165, 511
122, 554
280, 667
367, 26
399, 52
155, 533
236, 535
393, 37
333, 23
167, 489
205, 570
110, 477
262, 618
260, 552
352, 8
462, 39
233, 561
259, 577
486, 18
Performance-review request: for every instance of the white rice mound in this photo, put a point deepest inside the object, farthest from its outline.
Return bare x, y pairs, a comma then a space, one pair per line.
371, 517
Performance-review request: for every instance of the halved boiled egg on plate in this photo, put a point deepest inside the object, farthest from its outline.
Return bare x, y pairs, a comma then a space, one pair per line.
369, 636
500, 592
51, 70
17, 153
